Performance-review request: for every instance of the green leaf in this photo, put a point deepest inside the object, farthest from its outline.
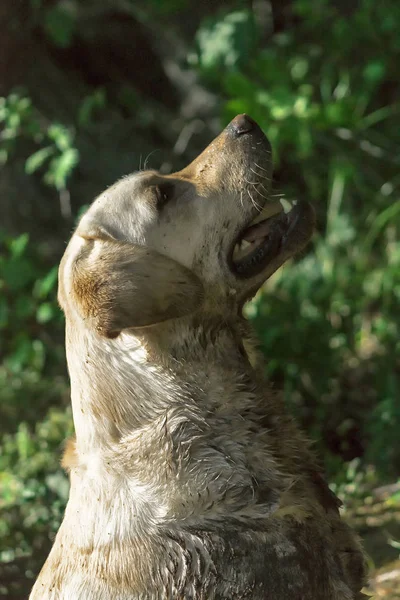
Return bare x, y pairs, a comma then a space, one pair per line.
374, 71
60, 135
59, 24
45, 285
36, 160
94, 101
226, 43
24, 442
21, 355
45, 312
18, 245
61, 167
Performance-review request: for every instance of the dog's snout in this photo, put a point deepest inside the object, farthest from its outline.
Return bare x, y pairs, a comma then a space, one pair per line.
242, 124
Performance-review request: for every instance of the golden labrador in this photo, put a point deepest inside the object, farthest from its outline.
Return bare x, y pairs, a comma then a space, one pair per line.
188, 478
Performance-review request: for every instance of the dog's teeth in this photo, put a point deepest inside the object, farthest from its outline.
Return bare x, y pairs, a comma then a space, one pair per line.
270, 209
286, 205
245, 244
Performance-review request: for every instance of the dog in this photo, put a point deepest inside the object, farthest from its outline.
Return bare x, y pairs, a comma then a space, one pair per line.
188, 478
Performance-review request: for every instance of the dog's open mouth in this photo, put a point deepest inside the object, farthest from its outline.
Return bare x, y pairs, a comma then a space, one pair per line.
278, 229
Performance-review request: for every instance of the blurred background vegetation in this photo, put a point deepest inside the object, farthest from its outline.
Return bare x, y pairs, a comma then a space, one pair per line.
93, 90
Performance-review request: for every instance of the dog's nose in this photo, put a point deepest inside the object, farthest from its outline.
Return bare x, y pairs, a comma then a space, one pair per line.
242, 124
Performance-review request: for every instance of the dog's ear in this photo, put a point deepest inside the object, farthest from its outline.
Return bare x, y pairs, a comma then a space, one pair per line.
116, 285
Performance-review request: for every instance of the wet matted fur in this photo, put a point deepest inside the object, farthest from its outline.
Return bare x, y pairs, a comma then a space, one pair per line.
188, 478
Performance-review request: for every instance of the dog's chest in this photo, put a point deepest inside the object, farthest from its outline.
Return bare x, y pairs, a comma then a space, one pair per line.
214, 562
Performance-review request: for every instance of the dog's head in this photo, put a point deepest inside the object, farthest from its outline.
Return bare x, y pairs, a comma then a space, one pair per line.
155, 247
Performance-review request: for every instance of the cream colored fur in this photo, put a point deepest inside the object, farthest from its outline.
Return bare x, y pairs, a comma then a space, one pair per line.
188, 478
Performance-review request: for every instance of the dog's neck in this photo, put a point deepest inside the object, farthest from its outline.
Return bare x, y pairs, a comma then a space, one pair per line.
120, 385
146, 416
187, 341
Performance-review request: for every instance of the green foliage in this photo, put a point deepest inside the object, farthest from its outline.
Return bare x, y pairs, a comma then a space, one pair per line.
31, 327
21, 121
33, 490
16, 118
27, 300
224, 43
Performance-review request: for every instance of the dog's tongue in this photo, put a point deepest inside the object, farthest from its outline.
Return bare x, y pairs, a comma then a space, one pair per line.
256, 232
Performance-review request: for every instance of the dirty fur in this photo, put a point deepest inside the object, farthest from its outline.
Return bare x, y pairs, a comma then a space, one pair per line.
188, 478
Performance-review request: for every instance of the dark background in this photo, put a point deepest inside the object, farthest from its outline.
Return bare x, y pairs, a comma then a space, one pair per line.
93, 90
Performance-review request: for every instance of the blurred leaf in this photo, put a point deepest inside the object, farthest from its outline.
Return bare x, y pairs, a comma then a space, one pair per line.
18, 245
17, 272
45, 312
36, 160
61, 136
24, 442
90, 105
374, 71
21, 354
59, 24
47, 284
61, 167
225, 43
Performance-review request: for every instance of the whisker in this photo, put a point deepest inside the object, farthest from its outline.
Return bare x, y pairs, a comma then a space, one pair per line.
250, 182
147, 158
259, 208
260, 176
250, 196
258, 192
262, 168
265, 189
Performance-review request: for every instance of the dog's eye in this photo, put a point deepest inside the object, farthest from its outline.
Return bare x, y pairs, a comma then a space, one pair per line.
164, 193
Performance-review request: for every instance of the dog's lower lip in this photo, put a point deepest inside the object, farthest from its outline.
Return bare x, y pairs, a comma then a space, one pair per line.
281, 234
255, 262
